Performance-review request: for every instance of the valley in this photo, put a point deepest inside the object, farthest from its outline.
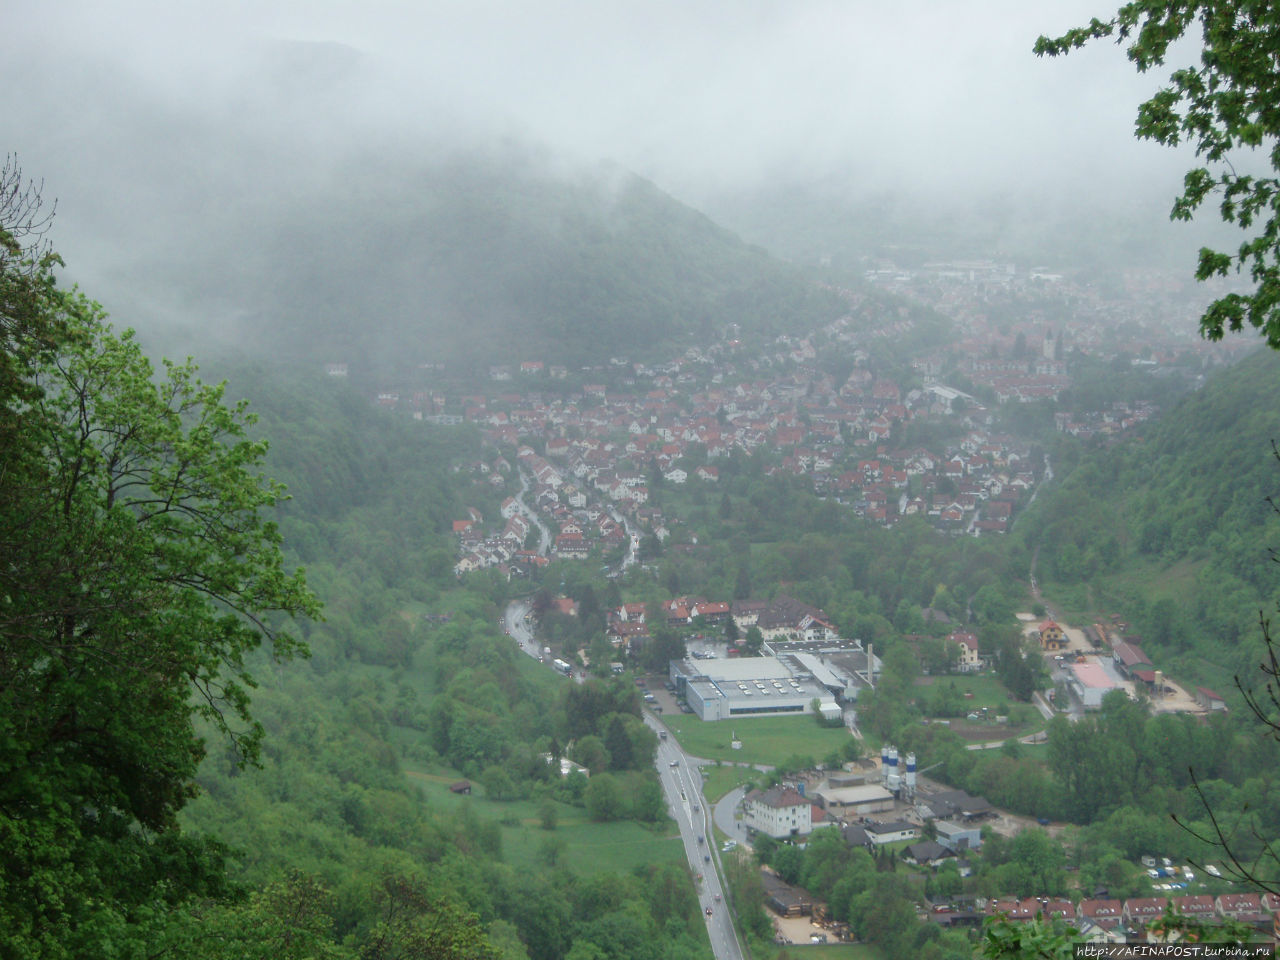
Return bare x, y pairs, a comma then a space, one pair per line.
647, 483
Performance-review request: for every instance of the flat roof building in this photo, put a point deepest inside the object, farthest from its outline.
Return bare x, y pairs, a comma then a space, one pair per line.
854, 801
748, 687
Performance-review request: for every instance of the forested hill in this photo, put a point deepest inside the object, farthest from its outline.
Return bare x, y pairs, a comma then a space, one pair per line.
1176, 528
468, 258
496, 260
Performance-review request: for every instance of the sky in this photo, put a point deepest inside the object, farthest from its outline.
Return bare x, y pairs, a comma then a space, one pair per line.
941, 98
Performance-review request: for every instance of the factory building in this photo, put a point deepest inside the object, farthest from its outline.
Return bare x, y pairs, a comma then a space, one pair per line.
750, 687
853, 795
1090, 683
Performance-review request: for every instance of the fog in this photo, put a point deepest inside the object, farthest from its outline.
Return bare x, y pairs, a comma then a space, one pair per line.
143, 117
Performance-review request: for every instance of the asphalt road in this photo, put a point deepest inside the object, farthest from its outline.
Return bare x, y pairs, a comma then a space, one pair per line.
544, 533
682, 783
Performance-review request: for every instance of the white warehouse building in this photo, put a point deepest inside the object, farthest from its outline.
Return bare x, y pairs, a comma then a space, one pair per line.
750, 687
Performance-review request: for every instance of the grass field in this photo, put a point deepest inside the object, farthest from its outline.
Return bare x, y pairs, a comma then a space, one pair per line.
767, 740
717, 781
985, 732
586, 847
1140, 577
1038, 752
986, 689
590, 848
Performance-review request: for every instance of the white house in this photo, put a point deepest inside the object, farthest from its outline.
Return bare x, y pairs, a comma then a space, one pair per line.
781, 812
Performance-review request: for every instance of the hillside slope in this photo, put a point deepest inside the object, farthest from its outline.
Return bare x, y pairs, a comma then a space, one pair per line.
298, 214
1176, 529
493, 261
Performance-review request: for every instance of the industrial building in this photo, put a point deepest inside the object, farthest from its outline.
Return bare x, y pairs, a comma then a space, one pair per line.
1090, 683
751, 687
853, 795
785, 681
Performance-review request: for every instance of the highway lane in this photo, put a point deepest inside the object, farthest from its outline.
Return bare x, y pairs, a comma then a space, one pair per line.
682, 783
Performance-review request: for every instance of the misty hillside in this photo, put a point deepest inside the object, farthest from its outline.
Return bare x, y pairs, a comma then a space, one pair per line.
491, 262
1177, 526
294, 218
396, 262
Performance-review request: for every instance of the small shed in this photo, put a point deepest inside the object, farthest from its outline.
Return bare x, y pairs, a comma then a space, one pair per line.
1209, 700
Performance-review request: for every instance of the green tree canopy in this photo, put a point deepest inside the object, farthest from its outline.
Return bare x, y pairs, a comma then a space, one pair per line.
141, 568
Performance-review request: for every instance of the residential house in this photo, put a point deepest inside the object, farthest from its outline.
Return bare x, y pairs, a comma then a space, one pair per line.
968, 646
1200, 908
1052, 637
1139, 912
1104, 914
781, 811
1243, 908
926, 853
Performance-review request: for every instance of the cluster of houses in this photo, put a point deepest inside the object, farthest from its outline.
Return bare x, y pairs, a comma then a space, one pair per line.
1008, 341
607, 445
479, 547
676, 422
605, 441
1102, 920
855, 800
1096, 919
781, 619
848, 801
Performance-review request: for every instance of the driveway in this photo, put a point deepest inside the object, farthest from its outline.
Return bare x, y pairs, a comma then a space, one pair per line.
725, 818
